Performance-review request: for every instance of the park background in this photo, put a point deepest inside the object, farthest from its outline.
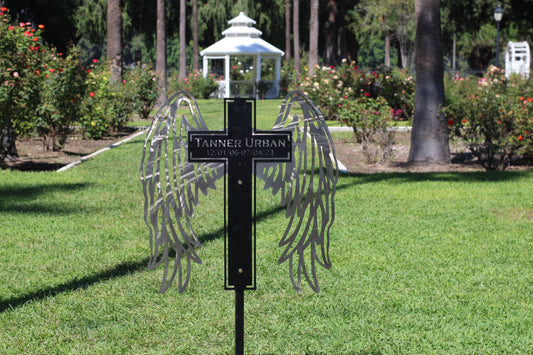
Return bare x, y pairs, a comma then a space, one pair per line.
437, 262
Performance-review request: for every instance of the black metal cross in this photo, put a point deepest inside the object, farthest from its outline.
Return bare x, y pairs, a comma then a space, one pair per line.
240, 146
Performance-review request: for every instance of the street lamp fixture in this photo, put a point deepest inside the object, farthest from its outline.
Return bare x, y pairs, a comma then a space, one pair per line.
498, 14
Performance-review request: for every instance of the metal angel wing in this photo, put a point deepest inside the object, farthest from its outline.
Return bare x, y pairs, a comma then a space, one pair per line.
307, 186
171, 187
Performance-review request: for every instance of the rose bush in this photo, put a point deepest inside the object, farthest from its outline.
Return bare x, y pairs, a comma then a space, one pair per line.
146, 94
20, 77
495, 125
195, 83
370, 119
48, 94
61, 91
106, 108
330, 86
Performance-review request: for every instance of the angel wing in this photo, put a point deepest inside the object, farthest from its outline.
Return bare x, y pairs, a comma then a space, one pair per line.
171, 187
307, 186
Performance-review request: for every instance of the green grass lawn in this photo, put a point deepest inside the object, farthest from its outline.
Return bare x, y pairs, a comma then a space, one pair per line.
429, 263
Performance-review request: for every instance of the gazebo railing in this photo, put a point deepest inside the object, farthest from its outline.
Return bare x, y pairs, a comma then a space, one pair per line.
247, 88
242, 88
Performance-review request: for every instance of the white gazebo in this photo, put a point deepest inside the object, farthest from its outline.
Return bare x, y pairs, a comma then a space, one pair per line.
242, 39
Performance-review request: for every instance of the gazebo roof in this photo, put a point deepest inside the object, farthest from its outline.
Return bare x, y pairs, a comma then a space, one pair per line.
243, 39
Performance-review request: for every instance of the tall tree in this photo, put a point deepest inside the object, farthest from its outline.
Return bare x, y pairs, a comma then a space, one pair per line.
391, 20
296, 35
429, 137
348, 45
332, 33
114, 40
195, 64
183, 40
288, 30
313, 38
161, 51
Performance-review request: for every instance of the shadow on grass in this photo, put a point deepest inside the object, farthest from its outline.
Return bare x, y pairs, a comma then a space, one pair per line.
35, 166
122, 269
21, 199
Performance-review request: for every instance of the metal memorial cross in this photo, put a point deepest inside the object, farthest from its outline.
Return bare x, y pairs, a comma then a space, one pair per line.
239, 147
182, 159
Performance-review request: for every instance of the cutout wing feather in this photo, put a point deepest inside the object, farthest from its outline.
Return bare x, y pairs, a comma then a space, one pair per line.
171, 187
307, 186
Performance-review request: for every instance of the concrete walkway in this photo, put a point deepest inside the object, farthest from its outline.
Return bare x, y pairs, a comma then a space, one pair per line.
349, 129
87, 157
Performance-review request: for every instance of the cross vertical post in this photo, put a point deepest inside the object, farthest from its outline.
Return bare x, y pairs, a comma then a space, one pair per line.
240, 146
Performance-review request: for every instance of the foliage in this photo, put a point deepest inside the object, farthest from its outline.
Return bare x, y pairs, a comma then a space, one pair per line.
478, 47
331, 86
496, 126
371, 19
107, 107
369, 119
48, 94
61, 91
87, 18
195, 83
21, 67
146, 89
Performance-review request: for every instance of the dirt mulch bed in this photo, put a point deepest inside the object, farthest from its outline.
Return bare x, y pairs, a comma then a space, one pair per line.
351, 155
33, 158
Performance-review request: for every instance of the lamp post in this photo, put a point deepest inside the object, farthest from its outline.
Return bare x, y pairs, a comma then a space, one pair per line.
498, 13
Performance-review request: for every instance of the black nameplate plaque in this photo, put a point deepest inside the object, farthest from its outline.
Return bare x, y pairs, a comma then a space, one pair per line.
240, 146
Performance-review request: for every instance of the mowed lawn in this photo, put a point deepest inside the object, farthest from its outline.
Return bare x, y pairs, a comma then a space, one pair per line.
425, 263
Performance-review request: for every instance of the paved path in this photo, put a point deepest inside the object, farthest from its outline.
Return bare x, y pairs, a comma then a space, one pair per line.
116, 144
349, 129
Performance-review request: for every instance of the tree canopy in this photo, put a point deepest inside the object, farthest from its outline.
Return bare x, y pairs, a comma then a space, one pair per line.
354, 29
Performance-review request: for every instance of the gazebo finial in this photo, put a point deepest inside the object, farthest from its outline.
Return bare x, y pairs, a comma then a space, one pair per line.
242, 26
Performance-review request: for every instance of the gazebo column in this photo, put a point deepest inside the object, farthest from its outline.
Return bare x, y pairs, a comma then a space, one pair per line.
227, 75
257, 66
278, 75
205, 66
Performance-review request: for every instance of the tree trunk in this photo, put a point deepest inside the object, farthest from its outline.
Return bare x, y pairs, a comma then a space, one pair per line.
429, 137
195, 63
313, 38
8, 150
114, 40
288, 30
330, 50
296, 35
161, 49
183, 41
347, 45
387, 49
